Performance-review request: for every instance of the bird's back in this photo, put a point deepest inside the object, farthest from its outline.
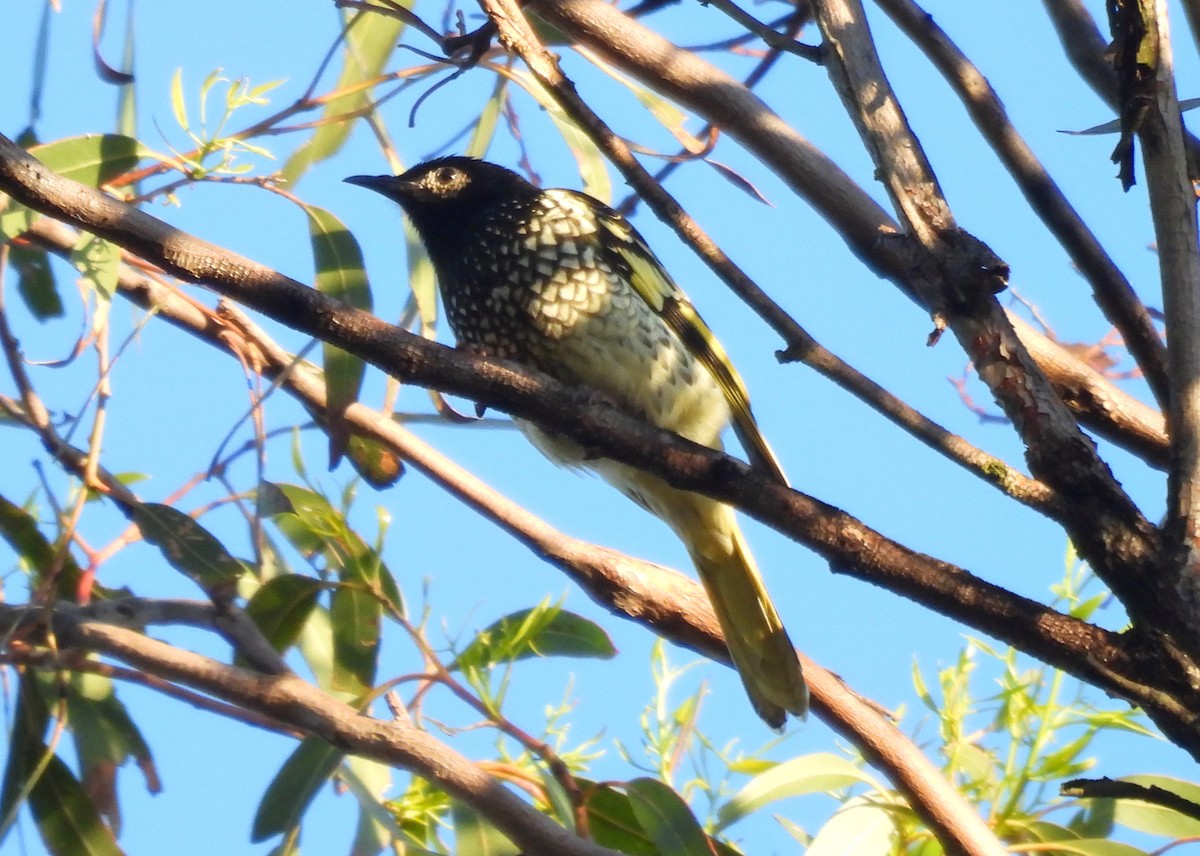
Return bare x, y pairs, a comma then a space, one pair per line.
538, 285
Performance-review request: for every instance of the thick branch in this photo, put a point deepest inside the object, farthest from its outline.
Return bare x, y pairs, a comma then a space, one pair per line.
1101, 405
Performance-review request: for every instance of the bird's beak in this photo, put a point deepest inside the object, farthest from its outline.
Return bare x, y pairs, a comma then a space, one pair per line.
388, 185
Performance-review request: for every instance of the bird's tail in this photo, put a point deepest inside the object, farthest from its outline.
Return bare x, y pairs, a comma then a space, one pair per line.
754, 633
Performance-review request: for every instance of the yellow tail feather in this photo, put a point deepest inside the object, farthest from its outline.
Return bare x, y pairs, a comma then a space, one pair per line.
757, 641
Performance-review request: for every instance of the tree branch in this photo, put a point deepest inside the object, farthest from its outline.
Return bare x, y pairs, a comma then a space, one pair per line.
1111, 289
291, 700
1173, 207
1106, 527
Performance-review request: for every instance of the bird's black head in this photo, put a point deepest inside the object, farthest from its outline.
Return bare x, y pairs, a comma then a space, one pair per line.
448, 192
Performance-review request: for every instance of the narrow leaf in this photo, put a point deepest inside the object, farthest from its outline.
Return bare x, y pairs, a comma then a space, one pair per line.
282, 606
35, 281
369, 45
355, 614
667, 819
808, 774
375, 461
341, 275
475, 836
178, 101
99, 261
20, 530
544, 631
188, 547
314, 526
485, 127
65, 816
105, 737
293, 788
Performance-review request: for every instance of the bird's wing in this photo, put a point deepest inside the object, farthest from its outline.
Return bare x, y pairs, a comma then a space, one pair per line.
654, 285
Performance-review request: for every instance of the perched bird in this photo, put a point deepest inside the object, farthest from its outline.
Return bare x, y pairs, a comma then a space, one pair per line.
557, 281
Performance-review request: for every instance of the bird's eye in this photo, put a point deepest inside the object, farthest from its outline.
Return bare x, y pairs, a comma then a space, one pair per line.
445, 175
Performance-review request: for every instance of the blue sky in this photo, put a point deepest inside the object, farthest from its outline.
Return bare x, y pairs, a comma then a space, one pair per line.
175, 400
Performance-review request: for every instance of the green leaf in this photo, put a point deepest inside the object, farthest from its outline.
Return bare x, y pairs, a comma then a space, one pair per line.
99, 261
340, 275
543, 631
375, 461
558, 798
667, 114
377, 828
808, 774
92, 159
475, 836
282, 605
666, 818
421, 280
1157, 819
859, 828
178, 101
127, 99
612, 822
65, 816
368, 46
15, 219
105, 737
20, 530
26, 747
314, 526
288, 796
485, 126
188, 547
355, 614
592, 165
1042, 831
1096, 819
35, 281
1097, 847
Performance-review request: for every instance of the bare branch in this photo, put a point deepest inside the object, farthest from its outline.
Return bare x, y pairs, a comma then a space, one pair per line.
1105, 525
1150, 90
1089, 53
1112, 290
1107, 788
